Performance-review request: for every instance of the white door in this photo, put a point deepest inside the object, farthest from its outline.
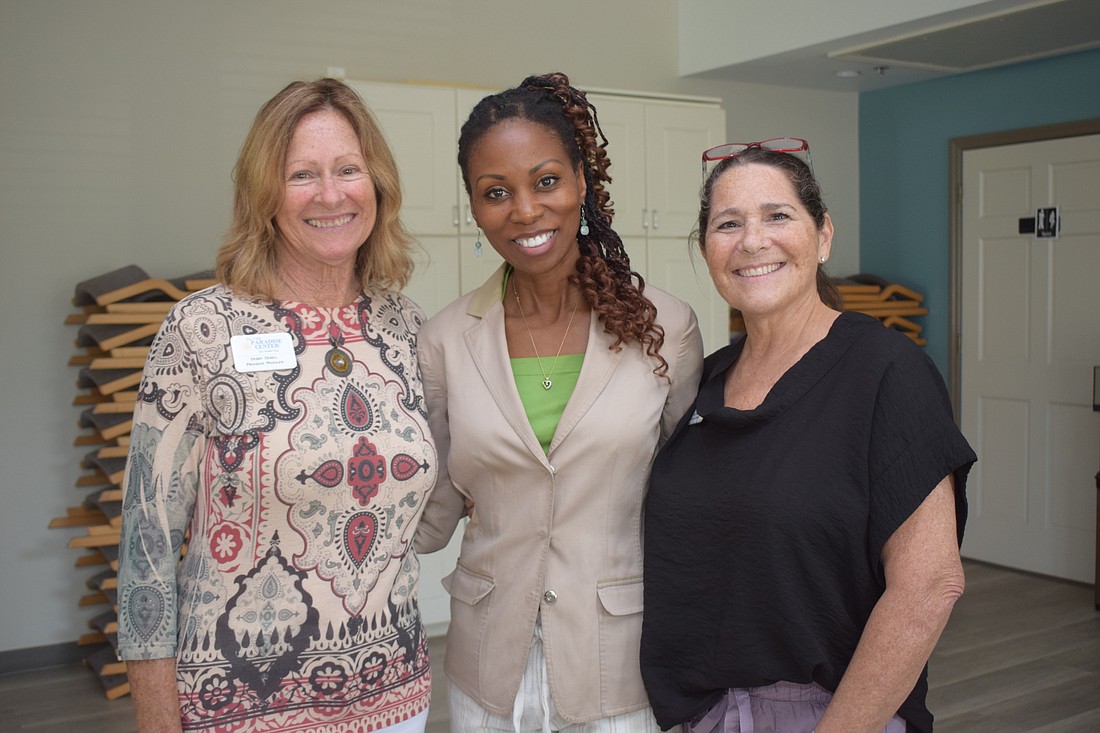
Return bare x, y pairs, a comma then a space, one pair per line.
677, 267
623, 123
675, 137
1030, 340
420, 127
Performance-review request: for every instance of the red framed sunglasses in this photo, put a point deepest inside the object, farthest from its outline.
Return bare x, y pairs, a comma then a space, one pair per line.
795, 146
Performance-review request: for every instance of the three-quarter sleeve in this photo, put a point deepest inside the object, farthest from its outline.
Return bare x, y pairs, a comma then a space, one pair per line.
159, 493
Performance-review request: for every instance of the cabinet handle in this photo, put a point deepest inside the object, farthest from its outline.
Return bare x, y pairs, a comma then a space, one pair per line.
469, 215
656, 220
455, 209
645, 221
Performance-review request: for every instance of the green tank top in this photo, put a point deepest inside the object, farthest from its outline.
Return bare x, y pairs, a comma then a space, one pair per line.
544, 407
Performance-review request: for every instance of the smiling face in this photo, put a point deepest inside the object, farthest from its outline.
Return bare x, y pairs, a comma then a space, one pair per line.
329, 207
762, 245
526, 197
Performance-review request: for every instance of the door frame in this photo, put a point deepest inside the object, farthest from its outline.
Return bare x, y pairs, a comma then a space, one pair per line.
956, 147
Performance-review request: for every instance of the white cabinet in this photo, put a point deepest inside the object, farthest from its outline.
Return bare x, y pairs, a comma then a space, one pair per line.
421, 124
655, 147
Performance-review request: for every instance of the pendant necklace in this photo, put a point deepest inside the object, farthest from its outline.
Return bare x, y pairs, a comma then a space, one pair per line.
547, 383
338, 360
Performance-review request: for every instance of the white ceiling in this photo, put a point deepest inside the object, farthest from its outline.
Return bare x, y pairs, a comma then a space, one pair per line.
981, 36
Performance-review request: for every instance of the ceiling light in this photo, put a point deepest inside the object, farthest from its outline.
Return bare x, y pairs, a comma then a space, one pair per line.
847, 73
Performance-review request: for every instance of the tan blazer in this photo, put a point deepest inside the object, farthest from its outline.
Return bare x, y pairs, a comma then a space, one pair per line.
555, 534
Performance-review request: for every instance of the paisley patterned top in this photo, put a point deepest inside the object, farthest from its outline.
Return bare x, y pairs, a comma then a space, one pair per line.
296, 492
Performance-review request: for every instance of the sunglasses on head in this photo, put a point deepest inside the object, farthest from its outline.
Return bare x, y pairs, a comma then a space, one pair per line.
793, 145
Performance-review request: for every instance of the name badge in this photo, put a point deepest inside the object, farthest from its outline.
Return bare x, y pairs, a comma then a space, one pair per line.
262, 352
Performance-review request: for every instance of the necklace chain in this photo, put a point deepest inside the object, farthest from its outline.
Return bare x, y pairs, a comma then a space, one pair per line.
547, 383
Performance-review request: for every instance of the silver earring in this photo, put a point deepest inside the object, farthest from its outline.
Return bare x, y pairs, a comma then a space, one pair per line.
584, 224
477, 244
822, 258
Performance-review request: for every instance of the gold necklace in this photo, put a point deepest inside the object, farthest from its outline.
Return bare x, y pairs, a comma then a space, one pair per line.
547, 383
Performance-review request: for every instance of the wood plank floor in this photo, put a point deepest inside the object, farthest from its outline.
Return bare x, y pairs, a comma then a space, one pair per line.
1020, 655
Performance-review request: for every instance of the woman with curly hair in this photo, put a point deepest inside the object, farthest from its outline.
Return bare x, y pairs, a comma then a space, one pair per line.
549, 390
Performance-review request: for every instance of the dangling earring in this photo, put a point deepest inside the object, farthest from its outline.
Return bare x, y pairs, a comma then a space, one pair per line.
584, 223
477, 244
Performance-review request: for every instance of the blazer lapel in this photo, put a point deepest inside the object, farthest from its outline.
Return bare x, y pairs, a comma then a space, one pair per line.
600, 363
489, 350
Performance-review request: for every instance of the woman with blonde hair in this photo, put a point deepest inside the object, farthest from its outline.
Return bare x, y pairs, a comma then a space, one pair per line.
249, 258
280, 429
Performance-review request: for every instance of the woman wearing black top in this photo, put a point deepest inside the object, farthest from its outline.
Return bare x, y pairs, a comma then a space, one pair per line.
803, 522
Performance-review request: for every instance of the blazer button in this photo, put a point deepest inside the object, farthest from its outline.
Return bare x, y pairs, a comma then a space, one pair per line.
550, 597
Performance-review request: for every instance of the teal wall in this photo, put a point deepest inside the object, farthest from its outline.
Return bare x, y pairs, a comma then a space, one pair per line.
903, 149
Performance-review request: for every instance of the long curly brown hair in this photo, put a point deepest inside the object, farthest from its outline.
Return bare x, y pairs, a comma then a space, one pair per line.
603, 273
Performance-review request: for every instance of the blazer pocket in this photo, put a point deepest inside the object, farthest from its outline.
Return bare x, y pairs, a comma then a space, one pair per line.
620, 629
467, 586
621, 597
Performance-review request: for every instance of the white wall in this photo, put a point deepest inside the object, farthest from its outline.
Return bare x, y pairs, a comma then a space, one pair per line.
119, 124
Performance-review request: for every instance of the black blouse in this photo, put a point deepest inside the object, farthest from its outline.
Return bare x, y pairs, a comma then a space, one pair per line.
764, 528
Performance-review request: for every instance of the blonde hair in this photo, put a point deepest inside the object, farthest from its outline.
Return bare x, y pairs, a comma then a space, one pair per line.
248, 259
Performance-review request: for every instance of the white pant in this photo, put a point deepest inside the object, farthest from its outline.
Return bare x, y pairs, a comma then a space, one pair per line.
534, 710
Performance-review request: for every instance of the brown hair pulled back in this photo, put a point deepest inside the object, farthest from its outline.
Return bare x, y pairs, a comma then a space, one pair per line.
806, 188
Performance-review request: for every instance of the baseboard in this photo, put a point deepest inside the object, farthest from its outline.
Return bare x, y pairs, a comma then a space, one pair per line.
38, 657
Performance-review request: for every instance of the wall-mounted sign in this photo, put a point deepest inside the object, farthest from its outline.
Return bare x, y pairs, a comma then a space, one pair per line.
1046, 223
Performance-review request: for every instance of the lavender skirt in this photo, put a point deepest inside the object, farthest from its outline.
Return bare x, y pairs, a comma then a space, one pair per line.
784, 707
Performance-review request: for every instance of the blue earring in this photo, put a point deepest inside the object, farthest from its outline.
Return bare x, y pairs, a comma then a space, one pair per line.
584, 223
477, 244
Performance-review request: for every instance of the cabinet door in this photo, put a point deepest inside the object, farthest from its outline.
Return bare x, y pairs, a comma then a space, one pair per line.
677, 267
434, 283
473, 269
623, 122
676, 136
639, 258
419, 124
465, 100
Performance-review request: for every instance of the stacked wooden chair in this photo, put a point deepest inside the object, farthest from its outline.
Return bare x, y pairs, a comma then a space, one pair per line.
893, 304
118, 313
